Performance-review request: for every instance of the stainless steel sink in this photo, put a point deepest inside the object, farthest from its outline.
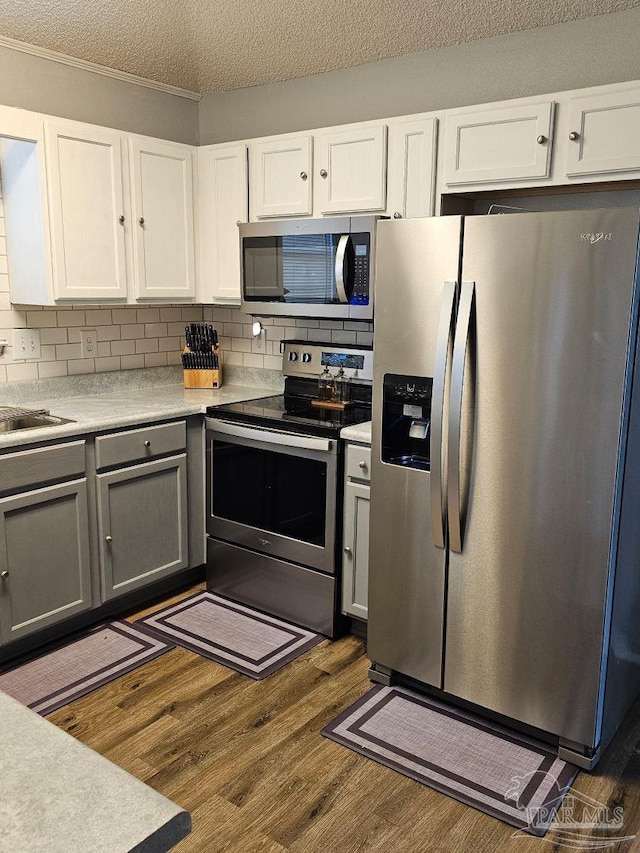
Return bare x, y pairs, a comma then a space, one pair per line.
13, 418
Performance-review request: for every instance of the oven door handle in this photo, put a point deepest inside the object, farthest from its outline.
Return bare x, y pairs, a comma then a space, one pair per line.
286, 439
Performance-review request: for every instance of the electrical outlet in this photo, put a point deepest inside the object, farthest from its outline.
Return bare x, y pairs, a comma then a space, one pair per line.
88, 343
260, 341
26, 344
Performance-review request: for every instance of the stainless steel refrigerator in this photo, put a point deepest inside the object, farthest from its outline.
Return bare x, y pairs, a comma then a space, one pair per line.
505, 482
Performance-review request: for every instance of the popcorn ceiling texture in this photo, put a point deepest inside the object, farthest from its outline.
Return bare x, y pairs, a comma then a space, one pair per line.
151, 336
218, 45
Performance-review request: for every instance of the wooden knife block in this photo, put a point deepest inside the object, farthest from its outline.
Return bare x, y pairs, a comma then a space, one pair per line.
203, 378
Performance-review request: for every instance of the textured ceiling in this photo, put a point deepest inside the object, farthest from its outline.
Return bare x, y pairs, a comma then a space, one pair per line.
216, 45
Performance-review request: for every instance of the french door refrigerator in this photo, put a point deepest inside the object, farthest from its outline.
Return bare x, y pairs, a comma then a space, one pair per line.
505, 482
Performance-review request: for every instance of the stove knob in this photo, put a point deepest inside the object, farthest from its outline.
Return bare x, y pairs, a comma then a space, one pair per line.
293, 356
306, 357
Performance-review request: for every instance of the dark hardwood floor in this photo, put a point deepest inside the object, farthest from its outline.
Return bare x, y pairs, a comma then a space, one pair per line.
246, 759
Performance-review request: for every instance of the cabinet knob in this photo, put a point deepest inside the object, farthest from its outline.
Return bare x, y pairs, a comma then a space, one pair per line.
108, 539
121, 219
141, 220
574, 135
147, 443
4, 574
304, 176
397, 215
541, 139
348, 551
362, 465
323, 173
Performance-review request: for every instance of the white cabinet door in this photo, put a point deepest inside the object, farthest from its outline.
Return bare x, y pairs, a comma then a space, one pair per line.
223, 204
604, 135
280, 177
162, 199
355, 561
411, 169
86, 206
350, 169
501, 144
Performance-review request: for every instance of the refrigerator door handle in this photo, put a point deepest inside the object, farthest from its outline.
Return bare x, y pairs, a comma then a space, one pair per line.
460, 344
445, 330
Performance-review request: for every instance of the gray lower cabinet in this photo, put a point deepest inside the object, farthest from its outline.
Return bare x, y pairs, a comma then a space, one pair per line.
142, 524
45, 570
355, 561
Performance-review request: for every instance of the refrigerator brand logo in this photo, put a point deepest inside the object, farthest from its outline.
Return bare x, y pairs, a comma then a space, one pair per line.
597, 238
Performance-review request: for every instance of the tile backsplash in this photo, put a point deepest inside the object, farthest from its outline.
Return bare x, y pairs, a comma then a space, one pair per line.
150, 336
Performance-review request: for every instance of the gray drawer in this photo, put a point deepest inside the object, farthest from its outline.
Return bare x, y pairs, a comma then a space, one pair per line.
28, 468
136, 445
358, 465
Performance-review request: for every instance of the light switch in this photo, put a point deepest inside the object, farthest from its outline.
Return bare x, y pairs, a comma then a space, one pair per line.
26, 344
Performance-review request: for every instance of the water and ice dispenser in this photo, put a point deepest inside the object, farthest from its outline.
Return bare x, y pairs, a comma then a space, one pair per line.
406, 420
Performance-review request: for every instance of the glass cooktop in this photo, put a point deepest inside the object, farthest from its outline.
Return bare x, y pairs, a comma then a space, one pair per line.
292, 413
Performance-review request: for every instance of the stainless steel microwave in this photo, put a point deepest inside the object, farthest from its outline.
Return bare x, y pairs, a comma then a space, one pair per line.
309, 267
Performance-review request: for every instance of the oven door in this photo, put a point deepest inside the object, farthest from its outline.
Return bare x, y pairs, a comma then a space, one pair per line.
273, 492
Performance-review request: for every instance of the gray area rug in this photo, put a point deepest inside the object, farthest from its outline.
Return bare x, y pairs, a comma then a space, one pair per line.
64, 673
231, 634
481, 764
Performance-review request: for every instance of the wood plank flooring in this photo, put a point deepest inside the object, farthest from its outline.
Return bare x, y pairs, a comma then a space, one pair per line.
246, 759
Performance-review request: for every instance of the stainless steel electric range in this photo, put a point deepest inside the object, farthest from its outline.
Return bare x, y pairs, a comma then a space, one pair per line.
274, 489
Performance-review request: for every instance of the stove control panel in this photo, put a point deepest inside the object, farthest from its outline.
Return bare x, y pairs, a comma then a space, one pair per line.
306, 358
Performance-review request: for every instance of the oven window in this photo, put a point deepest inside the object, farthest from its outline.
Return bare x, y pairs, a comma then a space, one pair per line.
274, 491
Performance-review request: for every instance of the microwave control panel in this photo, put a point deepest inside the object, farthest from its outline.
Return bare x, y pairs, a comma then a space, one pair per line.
361, 252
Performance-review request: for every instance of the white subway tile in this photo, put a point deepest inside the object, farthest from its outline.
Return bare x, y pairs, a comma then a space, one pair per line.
3, 265
319, 335
307, 323
296, 333
98, 318
331, 324
41, 319
12, 319
135, 331
4, 283
131, 362
103, 365
338, 337
120, 316
176, 330
123, 347
155, 359
71, 318
170, 315
108, 333
103, 349
365, 338
81, 365
48, 353
147, 345
192, 314
148, 315
51, 369
5, 301
53, 336
169, 344
232, 330
221, 315
22, 370
174, 358
64, 351
155, 330
273, 362
253, 360
241, 345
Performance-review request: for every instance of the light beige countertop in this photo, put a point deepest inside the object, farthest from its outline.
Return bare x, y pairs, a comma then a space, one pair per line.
100, 409
360, 433
59, 796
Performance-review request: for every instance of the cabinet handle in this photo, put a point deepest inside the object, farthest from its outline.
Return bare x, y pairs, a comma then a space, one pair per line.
141, 220
323, 173
397, 215
541, 139
304, 176
348, 551
574, 135
121, 219
147, 443
4, 574
108, 539
362, 465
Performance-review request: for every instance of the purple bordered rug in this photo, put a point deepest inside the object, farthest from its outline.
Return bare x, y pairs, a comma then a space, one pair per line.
68, 671
502, 773
231, 634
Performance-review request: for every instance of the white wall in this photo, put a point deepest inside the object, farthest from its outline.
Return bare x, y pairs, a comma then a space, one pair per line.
589, 52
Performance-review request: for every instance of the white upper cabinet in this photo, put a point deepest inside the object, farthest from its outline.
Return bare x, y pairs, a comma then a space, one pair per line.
280, 177
604, 134
499, 144
87, 213
162, 219
223, 205
411, 170
350, 169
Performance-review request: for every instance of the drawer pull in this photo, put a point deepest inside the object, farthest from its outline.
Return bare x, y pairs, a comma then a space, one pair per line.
362, 465
348, 551
108, 539
147, 443
4, 574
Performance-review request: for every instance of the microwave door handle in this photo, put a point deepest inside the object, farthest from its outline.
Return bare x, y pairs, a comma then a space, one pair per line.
341, 252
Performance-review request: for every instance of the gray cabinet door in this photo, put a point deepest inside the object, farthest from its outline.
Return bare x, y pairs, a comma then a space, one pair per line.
355, 560
142, 524
44, 558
